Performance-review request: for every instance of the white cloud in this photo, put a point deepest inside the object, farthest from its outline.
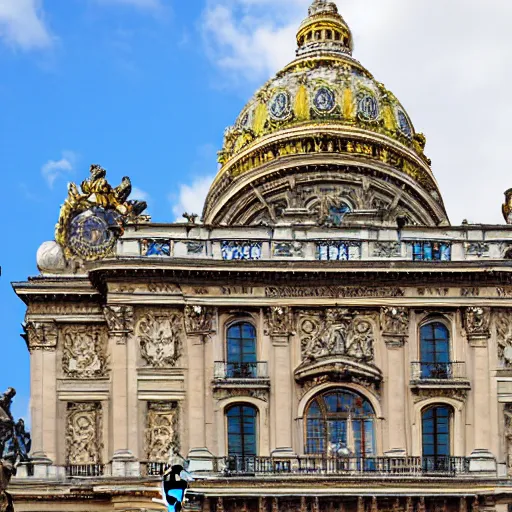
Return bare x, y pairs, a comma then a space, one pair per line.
444, 60
191, 197
140, 4
22, 24
54, 169
139, 195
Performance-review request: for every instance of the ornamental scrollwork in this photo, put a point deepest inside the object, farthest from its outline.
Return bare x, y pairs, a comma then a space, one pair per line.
503, 319
83, 433
336, 331
199, 319
120, 321
162, 431
160, 339
93, 218
84, 351
279, 321
477, 322
41, 335
420, 394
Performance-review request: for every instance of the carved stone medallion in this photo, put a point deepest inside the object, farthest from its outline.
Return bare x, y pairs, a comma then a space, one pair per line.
336, 331
162, 431
84, 351
41, 335
160, 338
83, 433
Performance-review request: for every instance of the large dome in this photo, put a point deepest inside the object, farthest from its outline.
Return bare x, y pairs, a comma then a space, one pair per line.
325, 124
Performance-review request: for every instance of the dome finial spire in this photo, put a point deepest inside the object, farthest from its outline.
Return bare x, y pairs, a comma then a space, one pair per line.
324, 30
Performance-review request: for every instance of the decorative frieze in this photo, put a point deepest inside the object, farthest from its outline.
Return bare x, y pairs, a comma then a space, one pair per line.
84, 433
241, 392
335, 292
288, 249
387, 250
162, 431
336, 331
194, 248
479, 249
279, 322
394, 323
477, 321
199, 319
84, 351
503, 319
420, 394
160, 338
41, 335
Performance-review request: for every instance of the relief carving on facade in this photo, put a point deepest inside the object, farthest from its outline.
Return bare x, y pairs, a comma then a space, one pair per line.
508, 435
335, 292
84, 351
41, 335
200, 319
336, 331
120, 321
162, 431
387, 250
279, 321
84, 433
224, 393
421, 394
394, 323
503, 318
477, 322
160, 338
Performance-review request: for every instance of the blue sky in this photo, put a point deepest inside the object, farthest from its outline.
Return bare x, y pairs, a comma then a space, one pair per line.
146, 87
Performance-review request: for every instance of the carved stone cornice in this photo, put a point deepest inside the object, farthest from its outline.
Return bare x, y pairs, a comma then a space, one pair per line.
454, 392
280, 325
394, 323
41, 335
120, 321
200, 320
477, 322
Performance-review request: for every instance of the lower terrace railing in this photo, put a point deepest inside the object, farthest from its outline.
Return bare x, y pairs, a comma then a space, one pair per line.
85, 470
246, 466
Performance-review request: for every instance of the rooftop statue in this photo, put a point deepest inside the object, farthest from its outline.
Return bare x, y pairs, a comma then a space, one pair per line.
507, 206
15, 444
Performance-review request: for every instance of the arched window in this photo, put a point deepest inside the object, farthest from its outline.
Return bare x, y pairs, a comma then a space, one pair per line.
340, 423
435, 351
242, 431
436, 427
241, 351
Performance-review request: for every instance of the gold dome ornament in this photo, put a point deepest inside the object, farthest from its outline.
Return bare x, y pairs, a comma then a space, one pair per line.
507, 206
323, 109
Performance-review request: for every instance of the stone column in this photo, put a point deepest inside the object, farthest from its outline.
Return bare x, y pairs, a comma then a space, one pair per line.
199, 325
42, 342
120, 321
395, 330
477, 324
280, 322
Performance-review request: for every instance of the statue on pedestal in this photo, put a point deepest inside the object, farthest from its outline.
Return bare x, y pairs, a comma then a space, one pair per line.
15, 446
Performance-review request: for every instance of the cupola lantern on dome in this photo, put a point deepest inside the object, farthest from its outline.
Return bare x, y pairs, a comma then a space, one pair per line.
324, 142
324, 30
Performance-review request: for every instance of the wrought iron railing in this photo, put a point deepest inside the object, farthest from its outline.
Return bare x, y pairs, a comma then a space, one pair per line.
154, 468
314, 465
229, 370
85, 470
438, 371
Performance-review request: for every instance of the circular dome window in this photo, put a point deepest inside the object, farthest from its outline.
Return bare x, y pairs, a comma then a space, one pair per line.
367, 107
279, 108
403, 124
324, 100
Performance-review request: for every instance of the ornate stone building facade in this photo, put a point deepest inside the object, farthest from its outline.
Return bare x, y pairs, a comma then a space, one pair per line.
323, 341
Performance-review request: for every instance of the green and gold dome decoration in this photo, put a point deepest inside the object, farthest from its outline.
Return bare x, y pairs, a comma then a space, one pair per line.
324, 101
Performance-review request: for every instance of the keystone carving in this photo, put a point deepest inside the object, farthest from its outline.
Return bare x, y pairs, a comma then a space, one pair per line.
84, 351
41, 335
160, 339
83, 433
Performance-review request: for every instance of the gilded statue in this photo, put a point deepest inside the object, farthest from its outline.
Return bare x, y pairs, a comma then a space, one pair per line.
507, 206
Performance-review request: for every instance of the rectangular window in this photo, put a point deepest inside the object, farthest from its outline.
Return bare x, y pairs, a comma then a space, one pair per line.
431, 251
338, 251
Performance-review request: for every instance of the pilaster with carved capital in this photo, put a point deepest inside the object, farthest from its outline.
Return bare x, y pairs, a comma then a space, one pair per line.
120, 321
394, 322
280, 325
477, 322
200, 321
41, 335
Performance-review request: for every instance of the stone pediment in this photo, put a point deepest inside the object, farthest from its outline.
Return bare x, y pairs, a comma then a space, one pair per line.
339, 368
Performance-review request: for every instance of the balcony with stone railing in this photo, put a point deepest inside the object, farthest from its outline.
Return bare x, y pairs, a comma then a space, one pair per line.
427, 377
